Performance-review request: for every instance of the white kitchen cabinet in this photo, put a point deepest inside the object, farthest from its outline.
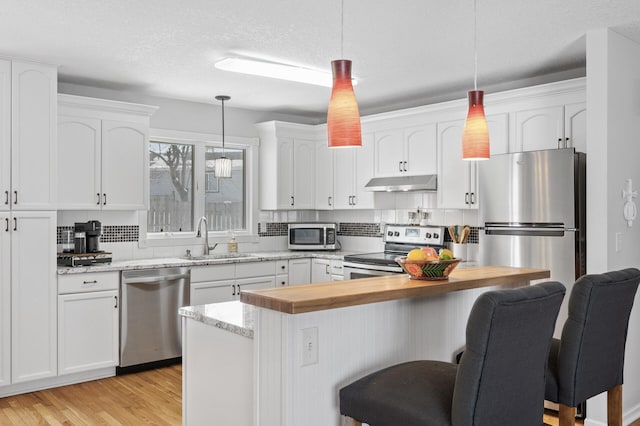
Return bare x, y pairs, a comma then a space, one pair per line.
353, 168
551, 127
299, 271
324, 176
212, 292
254, 284
406, 152
324, 270
5, 299
88, 331
33, 295
28, 135
287, 166
88, 321
457, 178
103, 154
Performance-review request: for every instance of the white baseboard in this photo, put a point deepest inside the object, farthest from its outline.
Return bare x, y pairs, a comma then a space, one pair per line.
53, 382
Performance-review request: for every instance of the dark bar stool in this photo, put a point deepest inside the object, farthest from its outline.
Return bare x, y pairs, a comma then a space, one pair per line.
500, 379
589, 358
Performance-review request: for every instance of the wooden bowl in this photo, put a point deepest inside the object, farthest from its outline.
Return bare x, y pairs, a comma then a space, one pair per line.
432, 270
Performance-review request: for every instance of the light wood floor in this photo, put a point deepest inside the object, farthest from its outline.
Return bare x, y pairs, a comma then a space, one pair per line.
152, 398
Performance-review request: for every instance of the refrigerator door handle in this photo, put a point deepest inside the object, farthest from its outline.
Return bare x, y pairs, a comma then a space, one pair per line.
527, 231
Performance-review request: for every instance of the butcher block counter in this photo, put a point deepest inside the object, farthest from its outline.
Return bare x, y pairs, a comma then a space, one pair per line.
340, 294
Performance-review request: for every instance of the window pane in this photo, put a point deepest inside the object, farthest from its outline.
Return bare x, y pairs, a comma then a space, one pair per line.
224, 197
171, 187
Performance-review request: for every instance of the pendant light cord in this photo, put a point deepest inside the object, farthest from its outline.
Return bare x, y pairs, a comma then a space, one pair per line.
341, 29
475, 44
222, 100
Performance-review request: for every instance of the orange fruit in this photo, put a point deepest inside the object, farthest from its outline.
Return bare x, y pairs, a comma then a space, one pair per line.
430, 252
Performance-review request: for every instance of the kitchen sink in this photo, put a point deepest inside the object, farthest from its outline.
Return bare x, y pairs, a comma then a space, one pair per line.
219, 256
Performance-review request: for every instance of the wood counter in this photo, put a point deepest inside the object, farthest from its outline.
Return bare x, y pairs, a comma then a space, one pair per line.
340, 294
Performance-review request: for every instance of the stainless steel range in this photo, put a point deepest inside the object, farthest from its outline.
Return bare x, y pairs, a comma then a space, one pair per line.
399, 239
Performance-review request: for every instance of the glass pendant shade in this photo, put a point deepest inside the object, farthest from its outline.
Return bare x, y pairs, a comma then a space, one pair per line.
475, 137
343, 116
222, 167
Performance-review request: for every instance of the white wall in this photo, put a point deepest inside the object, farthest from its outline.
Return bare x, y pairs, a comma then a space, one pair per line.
613, 155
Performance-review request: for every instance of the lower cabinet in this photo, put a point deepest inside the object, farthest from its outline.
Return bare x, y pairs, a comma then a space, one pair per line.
88, 322
299, 271
324, 270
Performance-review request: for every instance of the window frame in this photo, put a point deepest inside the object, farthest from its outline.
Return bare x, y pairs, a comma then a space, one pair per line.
200, 141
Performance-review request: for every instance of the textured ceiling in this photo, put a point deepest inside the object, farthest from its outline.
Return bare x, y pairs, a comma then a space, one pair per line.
405, 52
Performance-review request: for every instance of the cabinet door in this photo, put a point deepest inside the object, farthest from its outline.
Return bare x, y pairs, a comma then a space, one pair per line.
87, 331
299, 271
540, 128
324, 176
453, 171
389, 153
5, 134
254, 284
212, 292
575, 126
343, 177
33, 136
304, 173
79, 141
364, 172
421, 148
285, 173
125, 169
320, 270
33, 296
498, 133
5, 299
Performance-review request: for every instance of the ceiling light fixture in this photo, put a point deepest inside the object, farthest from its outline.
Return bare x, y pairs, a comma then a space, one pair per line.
222, 165
276, 70
475, 137
343, 116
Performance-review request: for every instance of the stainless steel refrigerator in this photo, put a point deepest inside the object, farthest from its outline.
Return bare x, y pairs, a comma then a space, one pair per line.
532, 211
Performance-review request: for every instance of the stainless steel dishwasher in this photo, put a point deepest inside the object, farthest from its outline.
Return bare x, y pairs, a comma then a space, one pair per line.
150, 328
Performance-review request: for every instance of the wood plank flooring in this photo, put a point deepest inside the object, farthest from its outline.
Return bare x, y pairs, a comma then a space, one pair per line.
149, 398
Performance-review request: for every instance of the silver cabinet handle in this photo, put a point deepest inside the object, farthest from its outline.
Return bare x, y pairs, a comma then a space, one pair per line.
104, 199
98, 195
15, 193
6, 198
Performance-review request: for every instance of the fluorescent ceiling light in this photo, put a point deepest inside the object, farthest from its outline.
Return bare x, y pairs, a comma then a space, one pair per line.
276, 70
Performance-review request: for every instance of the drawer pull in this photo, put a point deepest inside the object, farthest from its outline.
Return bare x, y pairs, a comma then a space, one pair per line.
16, 197
89, 282
116, 305
6, 198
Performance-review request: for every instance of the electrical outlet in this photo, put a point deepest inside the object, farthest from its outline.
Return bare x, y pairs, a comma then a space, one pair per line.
310, 346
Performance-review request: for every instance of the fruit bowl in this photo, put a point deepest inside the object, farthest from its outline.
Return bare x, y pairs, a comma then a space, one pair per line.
432, 270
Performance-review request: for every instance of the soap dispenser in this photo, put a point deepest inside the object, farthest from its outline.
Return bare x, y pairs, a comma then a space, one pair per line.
232, 246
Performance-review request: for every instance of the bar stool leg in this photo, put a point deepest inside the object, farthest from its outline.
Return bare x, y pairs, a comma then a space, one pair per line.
614, 406
567, 416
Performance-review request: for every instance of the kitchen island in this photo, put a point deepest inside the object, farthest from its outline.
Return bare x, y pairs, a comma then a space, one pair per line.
309, 341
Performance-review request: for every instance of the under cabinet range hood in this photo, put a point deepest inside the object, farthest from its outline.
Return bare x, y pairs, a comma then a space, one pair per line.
403, 183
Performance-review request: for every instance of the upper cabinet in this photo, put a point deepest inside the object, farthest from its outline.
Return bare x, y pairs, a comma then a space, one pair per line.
287, 166
27, 136
102, 154
353, 168
406, 151
324, 176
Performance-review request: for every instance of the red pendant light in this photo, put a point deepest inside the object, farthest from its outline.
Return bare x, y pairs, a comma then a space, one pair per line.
343, 116
475, 137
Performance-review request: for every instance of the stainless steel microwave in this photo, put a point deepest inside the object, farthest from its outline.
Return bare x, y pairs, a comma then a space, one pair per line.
312, 236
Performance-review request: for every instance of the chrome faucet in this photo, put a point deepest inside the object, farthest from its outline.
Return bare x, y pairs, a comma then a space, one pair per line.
206, 235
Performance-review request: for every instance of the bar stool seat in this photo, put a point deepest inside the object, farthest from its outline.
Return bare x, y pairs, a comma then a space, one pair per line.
500, 379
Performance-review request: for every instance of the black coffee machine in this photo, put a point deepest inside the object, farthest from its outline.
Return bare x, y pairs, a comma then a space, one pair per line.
92, 231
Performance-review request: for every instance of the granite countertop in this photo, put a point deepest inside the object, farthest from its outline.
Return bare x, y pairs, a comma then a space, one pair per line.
178, 261
235, 316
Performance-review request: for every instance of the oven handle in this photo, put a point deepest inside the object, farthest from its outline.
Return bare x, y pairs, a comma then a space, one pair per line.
366, 267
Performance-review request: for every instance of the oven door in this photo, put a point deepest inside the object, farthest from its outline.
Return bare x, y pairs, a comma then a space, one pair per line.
354, 271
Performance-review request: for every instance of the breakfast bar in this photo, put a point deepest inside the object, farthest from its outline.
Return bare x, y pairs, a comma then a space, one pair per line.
309, 341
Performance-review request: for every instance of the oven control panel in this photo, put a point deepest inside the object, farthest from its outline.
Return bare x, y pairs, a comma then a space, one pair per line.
419, 235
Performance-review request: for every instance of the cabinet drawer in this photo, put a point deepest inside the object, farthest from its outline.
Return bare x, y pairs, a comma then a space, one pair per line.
213, 273
336, 267
93, 281
255, 269
282, 267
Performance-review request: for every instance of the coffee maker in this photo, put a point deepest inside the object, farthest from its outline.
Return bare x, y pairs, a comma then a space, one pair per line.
92, 231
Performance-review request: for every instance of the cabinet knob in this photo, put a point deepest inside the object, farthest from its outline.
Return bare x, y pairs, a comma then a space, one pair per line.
559, 142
